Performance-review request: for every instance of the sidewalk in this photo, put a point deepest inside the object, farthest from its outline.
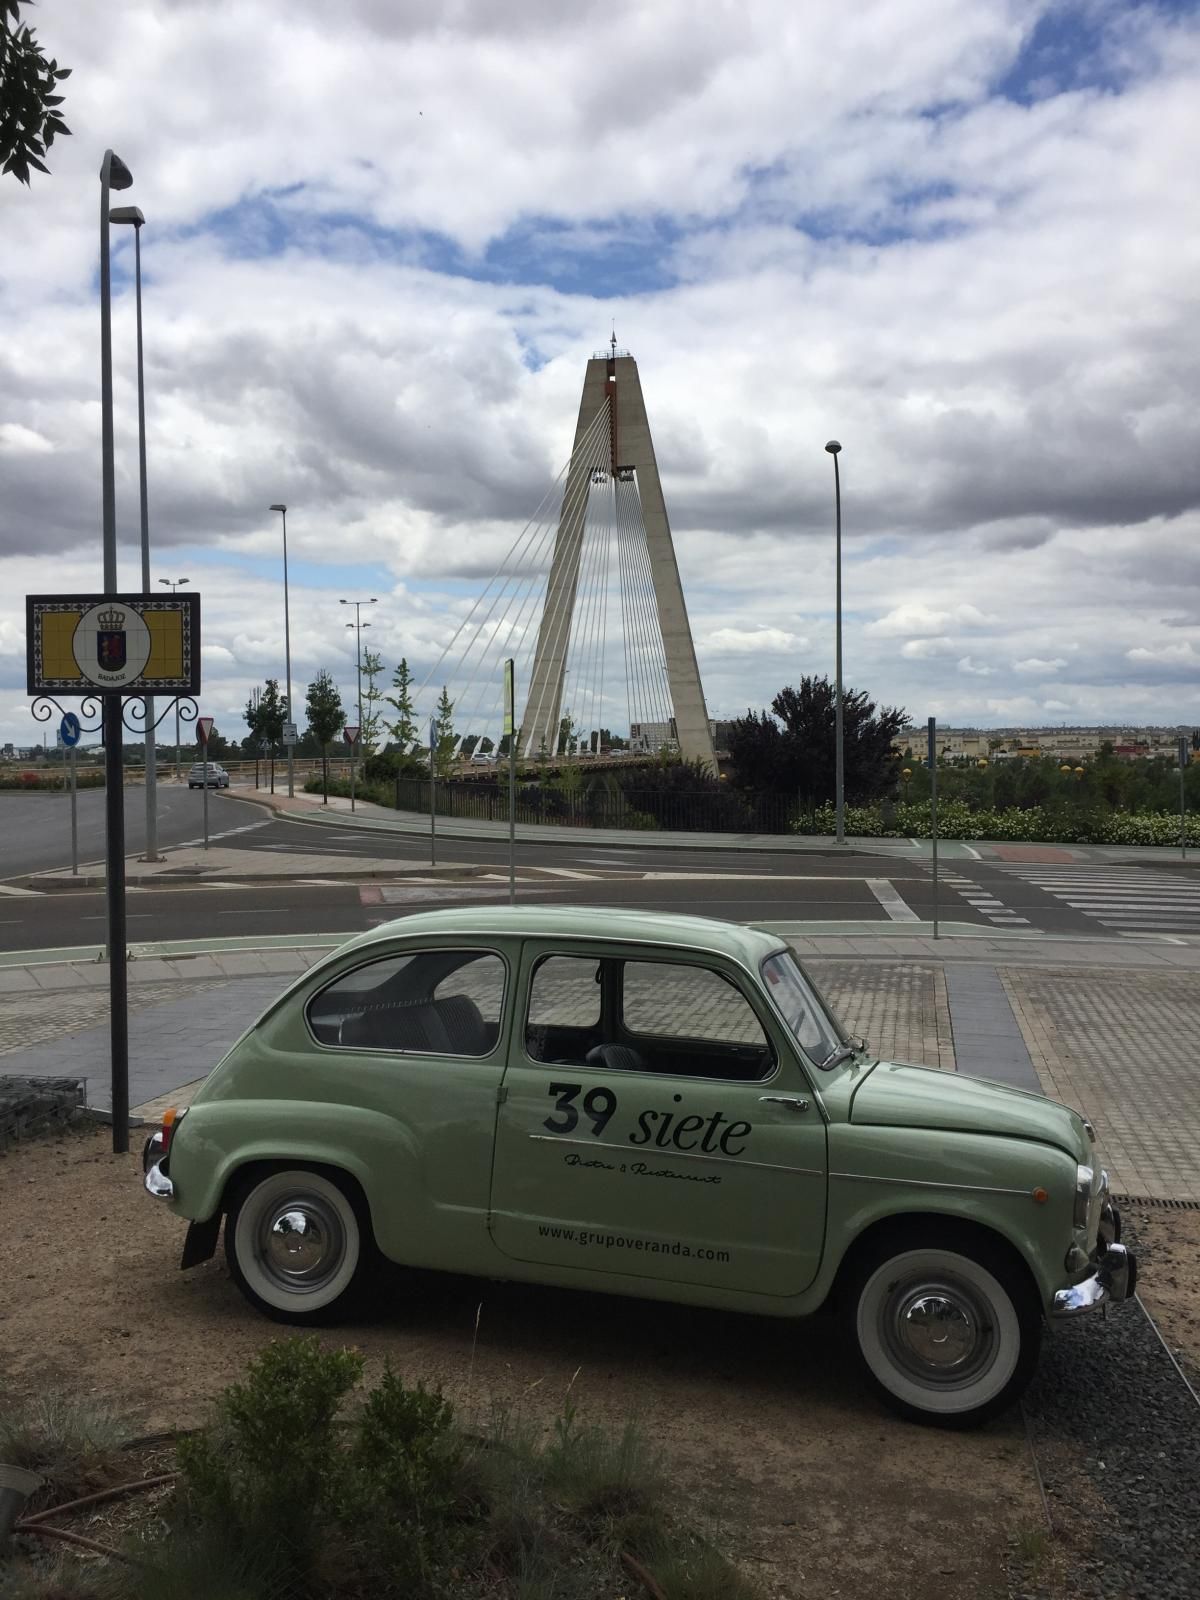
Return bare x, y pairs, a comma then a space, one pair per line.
1101, 1026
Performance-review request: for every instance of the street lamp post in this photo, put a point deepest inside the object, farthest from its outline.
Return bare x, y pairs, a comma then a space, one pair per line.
839, 768
173, 584
133, 216
114, 174
287, 650
358, 625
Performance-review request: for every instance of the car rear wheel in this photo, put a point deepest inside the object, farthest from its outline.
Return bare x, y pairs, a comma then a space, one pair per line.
297, 1244
948, 1330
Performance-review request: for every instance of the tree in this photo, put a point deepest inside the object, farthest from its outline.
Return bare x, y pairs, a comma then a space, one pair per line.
791, 748
443, 735
372, 703
265, 716
29, 116
325, 720
403, 728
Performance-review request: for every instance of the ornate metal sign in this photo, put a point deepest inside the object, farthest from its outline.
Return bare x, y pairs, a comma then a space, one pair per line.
128, 644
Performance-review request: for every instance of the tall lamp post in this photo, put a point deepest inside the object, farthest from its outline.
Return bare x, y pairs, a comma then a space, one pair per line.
839, 764
358, 625
133, 216
173, 584
287, 650
114, 174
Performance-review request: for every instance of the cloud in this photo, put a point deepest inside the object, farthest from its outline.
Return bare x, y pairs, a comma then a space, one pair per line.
925, 233
1039, 665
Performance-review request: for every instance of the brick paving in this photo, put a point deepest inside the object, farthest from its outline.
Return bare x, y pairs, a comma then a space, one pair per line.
36, 1017
1118, 1046
900, 1008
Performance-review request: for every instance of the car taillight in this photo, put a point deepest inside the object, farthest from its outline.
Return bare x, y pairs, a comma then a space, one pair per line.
169, 1123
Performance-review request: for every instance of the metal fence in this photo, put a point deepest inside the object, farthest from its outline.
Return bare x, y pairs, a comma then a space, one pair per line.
649, 810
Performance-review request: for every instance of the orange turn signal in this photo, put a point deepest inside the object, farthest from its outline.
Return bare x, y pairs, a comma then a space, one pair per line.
1041, 1196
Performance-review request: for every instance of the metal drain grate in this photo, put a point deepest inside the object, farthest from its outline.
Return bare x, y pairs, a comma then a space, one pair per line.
1158, 1205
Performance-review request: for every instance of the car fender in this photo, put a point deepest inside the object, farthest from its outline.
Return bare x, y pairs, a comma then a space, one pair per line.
219, 1138
1020, 1190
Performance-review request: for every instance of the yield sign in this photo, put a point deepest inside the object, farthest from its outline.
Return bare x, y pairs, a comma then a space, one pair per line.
204, 726
351, 734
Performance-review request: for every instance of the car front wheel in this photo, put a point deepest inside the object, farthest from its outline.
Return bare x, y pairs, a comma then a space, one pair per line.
297, 1245
948, 1330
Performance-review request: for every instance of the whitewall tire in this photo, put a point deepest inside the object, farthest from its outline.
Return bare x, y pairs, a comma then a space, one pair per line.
296, 1244
947, 1333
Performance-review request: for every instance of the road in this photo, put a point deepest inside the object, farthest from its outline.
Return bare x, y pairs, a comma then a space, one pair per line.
1069, 899
35, 829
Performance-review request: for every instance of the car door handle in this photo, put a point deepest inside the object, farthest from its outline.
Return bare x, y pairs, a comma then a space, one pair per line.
791, 1101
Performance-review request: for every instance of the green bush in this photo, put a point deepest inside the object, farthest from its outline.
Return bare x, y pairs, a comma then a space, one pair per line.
50, 778
270, 1470
1042, 825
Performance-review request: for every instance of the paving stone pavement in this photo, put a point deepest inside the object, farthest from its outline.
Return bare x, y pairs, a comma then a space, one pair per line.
1119, 1046
900, 1008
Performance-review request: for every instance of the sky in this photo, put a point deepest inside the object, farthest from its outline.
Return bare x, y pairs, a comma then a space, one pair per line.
383, 239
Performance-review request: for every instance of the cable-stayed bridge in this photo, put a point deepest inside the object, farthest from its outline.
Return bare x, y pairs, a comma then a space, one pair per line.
587, 602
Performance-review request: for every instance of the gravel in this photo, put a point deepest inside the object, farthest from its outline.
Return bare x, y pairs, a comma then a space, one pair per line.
1107, 1389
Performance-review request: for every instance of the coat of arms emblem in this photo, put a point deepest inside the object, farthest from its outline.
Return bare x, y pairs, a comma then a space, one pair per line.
111, 647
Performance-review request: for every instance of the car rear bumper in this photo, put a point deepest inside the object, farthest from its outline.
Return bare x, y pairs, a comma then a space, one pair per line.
154, 1179
1114, 1279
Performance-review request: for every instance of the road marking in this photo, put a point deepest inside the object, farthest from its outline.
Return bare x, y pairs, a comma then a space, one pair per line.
570, 872
23, 894
889, 898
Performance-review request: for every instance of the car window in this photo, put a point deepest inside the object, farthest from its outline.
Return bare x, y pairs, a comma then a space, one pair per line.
565, 993
664, 999
803, 1010
428, 1002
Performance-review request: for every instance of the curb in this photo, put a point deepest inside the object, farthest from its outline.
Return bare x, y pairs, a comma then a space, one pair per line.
572, 836
185, 877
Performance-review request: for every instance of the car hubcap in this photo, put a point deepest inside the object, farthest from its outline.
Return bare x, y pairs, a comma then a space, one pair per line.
301, 1243
938, 1332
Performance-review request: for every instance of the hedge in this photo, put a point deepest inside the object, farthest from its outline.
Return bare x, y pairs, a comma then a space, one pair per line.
957, 820
50, 780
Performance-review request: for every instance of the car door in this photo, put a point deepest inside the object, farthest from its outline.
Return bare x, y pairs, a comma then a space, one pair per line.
414, 1037
656, 1122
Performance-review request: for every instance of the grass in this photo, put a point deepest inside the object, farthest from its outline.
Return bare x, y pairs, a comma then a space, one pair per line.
304, 1487
75, 1444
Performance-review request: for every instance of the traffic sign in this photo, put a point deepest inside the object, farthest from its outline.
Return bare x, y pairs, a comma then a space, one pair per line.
351, 734
69, 730
204, 726
289, 733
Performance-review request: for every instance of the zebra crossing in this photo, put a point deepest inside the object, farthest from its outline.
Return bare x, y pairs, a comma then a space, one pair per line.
989, 905
1129, 900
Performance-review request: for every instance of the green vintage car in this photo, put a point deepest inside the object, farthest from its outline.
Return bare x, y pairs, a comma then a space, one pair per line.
661, 1106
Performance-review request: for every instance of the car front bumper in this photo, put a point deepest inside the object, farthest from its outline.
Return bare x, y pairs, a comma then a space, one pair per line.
1114, 1279
154, 1179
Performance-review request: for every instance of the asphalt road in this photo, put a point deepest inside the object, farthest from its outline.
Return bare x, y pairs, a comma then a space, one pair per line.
1073, 899
35, 829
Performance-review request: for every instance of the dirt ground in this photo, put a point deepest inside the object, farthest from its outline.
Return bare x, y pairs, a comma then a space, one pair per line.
777, 1451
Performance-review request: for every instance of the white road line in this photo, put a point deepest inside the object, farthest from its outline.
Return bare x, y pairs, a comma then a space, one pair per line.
23, 894
570, 872
890, 899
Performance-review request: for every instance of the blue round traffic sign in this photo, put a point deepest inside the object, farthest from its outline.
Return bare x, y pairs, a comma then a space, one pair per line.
69, 729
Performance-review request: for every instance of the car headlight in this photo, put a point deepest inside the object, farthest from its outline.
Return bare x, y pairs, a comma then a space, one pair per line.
1084, 1178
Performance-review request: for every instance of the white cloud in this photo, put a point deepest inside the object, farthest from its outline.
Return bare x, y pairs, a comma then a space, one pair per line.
1039, 665
806, 223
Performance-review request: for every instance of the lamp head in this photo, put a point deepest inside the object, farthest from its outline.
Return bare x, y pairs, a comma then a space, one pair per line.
119, 175
277, 508
127, 214
833, 447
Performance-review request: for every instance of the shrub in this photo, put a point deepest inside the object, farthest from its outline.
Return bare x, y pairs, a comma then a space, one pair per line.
269, 1471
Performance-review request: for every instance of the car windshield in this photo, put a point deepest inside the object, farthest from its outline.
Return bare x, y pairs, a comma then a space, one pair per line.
818, 1032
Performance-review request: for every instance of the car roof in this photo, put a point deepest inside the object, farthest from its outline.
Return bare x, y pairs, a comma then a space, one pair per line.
671, 931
